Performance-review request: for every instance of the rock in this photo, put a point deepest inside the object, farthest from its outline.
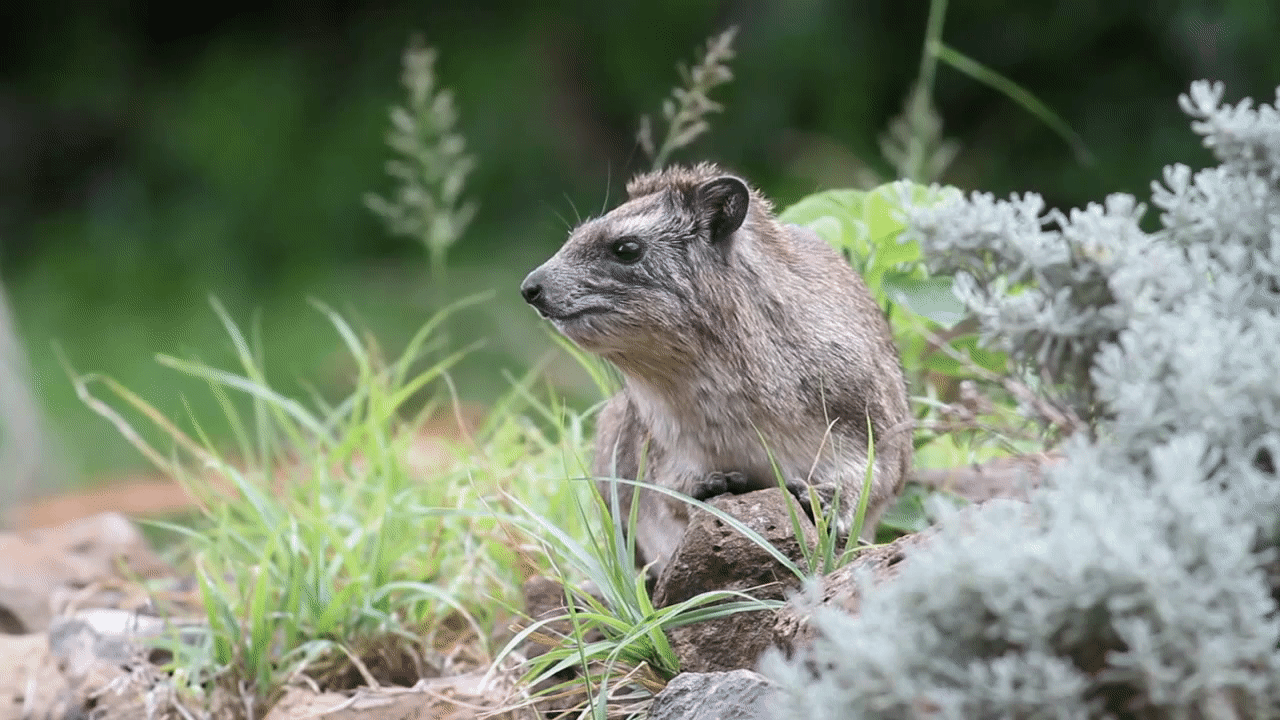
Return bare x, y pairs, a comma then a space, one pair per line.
29, 577
39, 564
93, 664
733, 695
714, 556
544, 599
104, 539
104, 655
30, 684
543, 596
82, 651
114, 637
840, 590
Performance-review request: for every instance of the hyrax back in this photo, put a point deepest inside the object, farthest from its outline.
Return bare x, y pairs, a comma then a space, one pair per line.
738, 337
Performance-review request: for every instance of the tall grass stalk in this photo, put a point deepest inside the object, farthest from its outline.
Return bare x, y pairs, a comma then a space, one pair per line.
431, 164
690, 104
914, 143
329, 547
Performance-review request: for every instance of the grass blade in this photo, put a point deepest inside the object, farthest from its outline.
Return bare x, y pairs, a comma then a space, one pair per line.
1016, 93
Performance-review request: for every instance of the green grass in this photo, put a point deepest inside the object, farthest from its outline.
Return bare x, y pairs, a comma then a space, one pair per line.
118, 338
325, 551
632, 645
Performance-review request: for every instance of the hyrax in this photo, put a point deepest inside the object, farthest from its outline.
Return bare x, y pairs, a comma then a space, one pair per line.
745, 344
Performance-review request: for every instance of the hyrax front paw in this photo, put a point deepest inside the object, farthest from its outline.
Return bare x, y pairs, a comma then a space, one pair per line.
719, 483
826, 497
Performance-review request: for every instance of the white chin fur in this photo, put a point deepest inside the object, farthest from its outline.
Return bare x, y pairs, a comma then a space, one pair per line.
581, 331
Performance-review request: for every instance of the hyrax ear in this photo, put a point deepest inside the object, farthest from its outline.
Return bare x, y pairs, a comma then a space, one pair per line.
723, 201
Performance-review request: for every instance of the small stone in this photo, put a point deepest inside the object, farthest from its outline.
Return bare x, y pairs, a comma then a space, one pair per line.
734, 695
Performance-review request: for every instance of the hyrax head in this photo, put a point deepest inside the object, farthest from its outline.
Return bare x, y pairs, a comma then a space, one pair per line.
632, 281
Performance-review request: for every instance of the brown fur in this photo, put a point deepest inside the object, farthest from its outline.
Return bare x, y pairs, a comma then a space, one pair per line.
733, 332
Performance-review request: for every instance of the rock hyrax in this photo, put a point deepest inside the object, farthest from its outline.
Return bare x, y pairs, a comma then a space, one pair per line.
740, 338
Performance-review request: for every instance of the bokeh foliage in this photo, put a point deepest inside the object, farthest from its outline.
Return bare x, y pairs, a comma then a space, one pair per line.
154, 154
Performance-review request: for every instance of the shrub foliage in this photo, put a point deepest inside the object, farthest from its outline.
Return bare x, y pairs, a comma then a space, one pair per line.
1143, 581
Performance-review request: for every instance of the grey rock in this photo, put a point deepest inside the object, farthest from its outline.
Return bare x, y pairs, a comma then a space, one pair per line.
734, 695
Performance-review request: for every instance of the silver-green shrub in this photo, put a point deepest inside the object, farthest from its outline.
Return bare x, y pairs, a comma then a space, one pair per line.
1143, 581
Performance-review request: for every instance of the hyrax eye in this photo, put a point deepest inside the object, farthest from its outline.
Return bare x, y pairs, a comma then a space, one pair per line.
626, 250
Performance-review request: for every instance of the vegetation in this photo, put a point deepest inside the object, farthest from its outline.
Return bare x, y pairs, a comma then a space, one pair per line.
433, 165
155, 161
320, 556
339, 544
1142, 583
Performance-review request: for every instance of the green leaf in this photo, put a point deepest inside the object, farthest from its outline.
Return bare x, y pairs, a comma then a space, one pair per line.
258, 617
908, 513
929, 298
828, 203
331, 618
830, 229
882, 215
836, 215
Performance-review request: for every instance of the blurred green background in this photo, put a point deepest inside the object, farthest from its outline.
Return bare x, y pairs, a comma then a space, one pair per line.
152, 154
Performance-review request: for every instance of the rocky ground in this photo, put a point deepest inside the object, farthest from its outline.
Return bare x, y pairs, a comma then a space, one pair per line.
81, 597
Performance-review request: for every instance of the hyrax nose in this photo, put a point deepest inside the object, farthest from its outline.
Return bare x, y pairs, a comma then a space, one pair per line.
531, 289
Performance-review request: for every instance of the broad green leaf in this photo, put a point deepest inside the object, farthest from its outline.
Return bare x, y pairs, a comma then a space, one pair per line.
908, 513
881, 212
822, 204
929, 298
883, 216
830, 229
836, 215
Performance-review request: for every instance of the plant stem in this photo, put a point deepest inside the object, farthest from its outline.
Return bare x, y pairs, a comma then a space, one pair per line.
932, 37
924, 81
